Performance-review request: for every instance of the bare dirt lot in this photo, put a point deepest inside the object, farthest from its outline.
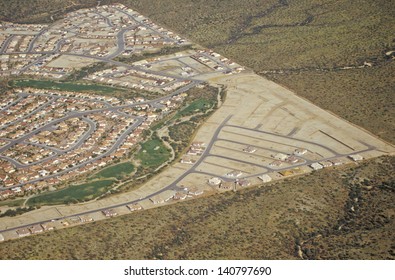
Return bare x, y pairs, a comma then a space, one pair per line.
299, 45
269, 222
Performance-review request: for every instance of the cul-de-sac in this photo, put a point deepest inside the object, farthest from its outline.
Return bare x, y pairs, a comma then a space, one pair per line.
111, 114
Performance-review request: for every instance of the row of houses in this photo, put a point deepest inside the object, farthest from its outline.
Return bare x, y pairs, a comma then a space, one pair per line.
171, 195
334, 162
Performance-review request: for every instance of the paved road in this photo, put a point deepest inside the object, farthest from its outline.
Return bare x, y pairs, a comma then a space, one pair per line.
106, 103
193, 169
30, 114
49, 125
217, 61
114, 147
13, 103
166, 39
289, 138
34, 62
5, 44
16, 163
305, 161
108, 21
31, 45
59, 152
169, 187
120, 42
205, 153
108, 59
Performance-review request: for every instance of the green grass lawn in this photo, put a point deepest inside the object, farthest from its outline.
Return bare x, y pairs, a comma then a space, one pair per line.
72, 194
66, 86
153, 153
117, 171
200, 105
12, 203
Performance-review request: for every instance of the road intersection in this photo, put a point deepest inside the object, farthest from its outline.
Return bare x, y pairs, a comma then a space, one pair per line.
256, 113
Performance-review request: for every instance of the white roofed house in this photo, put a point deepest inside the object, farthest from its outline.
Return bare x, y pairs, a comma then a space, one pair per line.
85, 219
195, 191
109, 213
326, 163
265, 178
198, 144
337, 161
180, 196
162, 197
249, 149
134, 207
234, 174
194, 152
276, 163
316, 166
356, 157
280, 156
293, 160
215, 181
300, 152
187, 160
23, 232
48, 226
36, 229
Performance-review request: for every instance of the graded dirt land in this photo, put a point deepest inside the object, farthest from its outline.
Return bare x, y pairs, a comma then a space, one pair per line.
317, 50
278, 122
330, 214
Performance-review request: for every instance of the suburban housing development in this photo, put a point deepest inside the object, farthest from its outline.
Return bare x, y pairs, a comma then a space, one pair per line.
51, 138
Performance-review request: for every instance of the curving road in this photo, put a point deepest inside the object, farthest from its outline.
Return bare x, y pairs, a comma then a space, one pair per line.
120, 42
5, 44
30, 114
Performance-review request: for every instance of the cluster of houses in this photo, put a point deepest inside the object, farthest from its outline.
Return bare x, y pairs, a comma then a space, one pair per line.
53, 224
294, 158
34, 229
71, 147
17, 37
216, 62
228, 185
12, 64
171, 195
132, 78
196, 149
92, 32
334, 162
